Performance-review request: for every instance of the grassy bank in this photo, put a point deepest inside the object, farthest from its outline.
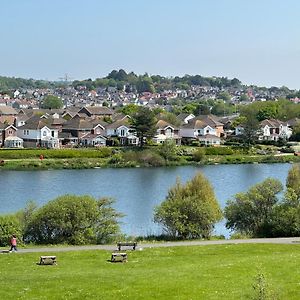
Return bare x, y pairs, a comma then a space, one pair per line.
202, 272
29, 159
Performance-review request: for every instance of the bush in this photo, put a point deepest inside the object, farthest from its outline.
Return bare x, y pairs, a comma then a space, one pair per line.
199, 154
149, 158
190, 210
9, 225
74, 220
167, 150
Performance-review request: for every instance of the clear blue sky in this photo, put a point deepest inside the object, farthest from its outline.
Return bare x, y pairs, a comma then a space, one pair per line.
257, 41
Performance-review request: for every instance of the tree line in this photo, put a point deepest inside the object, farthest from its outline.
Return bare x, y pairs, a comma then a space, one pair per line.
154, 83
11, 83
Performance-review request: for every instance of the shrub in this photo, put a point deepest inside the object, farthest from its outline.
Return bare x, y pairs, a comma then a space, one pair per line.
74, 220
167, 150
151, 159
9, 224
199, 154
218, 151
190, 210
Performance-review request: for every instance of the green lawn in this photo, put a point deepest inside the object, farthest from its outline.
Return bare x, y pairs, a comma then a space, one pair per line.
200, 272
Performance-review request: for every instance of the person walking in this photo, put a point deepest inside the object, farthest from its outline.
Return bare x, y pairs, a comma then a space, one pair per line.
13, 243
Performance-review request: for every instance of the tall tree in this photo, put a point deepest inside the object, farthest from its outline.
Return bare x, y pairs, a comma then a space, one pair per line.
251, 212
251, 127
293, 179
190, 210
52, 102
143, 123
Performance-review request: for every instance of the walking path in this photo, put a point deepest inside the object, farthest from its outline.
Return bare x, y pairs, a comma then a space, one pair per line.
165, 244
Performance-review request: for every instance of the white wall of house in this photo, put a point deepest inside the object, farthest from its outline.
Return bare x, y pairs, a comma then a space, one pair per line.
122, 131
195, 132
37, 134
169, 132
32, 134
207, 130
110, 132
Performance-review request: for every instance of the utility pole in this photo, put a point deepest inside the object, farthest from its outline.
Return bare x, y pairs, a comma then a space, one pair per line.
66, 78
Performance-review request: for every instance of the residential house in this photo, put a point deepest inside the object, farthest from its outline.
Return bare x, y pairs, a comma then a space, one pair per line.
185, 117
96, 111
38, 132
97, 135
7, 114
74, 129
273, 130
166, 131
205, 129
122, 131
8, 136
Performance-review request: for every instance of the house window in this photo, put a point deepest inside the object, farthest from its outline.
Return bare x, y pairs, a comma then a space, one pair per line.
52, 133
44, 133
10, 132
26, 132
207, 131
122, 132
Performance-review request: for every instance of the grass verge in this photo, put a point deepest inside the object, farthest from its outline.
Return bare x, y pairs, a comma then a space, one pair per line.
194, 272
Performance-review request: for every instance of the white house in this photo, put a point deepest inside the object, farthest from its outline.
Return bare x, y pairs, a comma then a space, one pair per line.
38, 132
122, 131
273, 130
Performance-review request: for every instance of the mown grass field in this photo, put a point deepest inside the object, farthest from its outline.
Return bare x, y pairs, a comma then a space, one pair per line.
194, 272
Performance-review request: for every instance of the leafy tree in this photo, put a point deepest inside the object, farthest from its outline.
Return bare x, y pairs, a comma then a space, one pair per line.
251, 127
143, 123
293, 179
145, 84
170, 118
203, 109
190, 210
129, 109
244, 98
9, 224
269, 112
220, 108
52, 102
168, 150
251, 212
285, 218
74, 220
224, 96
199, 154
190, 108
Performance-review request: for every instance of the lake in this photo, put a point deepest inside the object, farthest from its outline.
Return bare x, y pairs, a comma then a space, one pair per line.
136, 190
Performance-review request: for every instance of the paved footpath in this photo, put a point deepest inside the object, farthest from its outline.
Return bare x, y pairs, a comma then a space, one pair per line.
165, 244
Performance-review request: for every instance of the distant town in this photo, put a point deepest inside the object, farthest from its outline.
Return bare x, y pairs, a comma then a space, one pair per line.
188, 109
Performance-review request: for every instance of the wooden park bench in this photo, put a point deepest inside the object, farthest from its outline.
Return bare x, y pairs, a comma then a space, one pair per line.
119, 257
48, 260
5, 251
127, 244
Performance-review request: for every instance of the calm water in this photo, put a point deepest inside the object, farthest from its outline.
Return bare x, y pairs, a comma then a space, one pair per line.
136, 191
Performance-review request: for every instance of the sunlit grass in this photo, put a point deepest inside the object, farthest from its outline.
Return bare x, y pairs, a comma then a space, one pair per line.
202, 272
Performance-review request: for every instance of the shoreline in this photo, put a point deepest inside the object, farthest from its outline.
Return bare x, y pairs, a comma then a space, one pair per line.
30, 164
